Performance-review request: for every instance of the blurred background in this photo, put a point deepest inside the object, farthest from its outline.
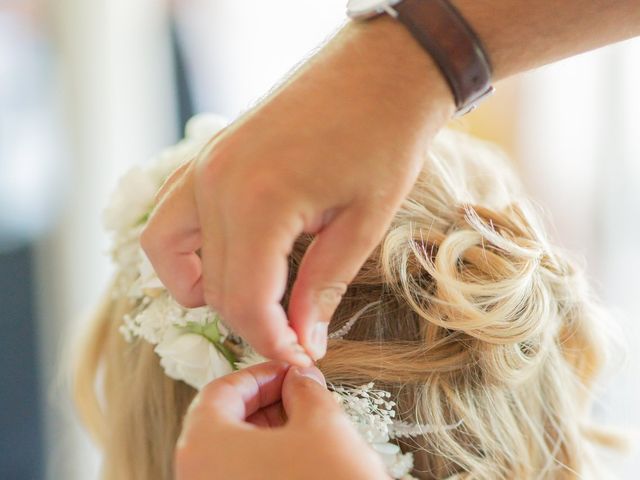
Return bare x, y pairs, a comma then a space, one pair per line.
88, 88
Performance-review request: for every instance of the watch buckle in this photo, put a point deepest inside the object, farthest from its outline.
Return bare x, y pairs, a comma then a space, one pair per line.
471, 106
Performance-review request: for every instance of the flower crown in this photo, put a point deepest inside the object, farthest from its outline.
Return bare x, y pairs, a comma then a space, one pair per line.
194, 345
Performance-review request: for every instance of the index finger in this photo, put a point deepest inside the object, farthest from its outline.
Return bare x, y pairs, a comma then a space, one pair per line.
260, 237
171, 239
246, 239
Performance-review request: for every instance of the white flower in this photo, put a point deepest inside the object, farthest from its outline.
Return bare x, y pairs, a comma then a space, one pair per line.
204, 126
147, 279
154, 318
201, 316
371, 412
191, 358
131, 201
135, 193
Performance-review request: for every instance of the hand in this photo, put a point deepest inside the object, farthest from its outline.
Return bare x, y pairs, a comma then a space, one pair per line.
333, 153
236, 428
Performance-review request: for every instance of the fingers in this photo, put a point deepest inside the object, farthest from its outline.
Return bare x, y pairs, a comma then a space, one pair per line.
329, 265
209, 181
269, 417
232, 399
213, 254
171, 239
306, 399
260, 236
213, 241
215, 425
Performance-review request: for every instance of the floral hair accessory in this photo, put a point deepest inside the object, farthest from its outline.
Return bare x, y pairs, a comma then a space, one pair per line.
194, 345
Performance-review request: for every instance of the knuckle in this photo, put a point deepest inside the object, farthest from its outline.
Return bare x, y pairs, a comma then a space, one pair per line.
261, 186
210, 168
257, 193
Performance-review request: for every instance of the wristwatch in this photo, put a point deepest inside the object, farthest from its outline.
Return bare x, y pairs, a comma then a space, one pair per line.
442, 31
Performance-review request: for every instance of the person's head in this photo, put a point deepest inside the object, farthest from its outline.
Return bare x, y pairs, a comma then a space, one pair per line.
477, 319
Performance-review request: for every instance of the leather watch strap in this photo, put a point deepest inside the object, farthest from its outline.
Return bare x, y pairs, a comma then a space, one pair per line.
443, 32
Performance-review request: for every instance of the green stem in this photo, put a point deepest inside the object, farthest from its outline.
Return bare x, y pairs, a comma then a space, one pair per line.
211, 332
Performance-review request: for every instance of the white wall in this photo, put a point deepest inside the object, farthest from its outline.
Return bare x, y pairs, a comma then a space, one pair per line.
237, 50
580, 151
117, 103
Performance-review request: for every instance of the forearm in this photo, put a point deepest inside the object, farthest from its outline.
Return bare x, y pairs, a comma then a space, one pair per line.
377, 77
371, 77
518, 35
523, 34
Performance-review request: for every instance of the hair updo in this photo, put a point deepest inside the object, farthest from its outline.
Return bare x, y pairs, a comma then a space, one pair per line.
474, 317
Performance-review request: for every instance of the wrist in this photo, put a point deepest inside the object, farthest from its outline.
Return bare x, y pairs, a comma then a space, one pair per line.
397, 65
372, 74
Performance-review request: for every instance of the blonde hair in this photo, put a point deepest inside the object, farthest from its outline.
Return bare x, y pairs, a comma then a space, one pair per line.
479, 319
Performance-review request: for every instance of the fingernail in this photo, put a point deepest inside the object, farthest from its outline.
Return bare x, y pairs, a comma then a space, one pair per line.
311, 372
318, 346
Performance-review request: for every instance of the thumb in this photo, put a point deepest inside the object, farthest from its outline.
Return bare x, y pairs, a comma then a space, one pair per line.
330, 263
305, 396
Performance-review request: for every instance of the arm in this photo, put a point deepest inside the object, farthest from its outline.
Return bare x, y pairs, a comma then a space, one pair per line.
333, 152
520, 35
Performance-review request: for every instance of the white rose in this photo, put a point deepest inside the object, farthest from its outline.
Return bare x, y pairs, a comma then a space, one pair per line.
191, 358
131, 201
204, 126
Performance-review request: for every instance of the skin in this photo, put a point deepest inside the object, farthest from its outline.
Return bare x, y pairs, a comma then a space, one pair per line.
335, 154
333, 151
243, 203
246, 411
